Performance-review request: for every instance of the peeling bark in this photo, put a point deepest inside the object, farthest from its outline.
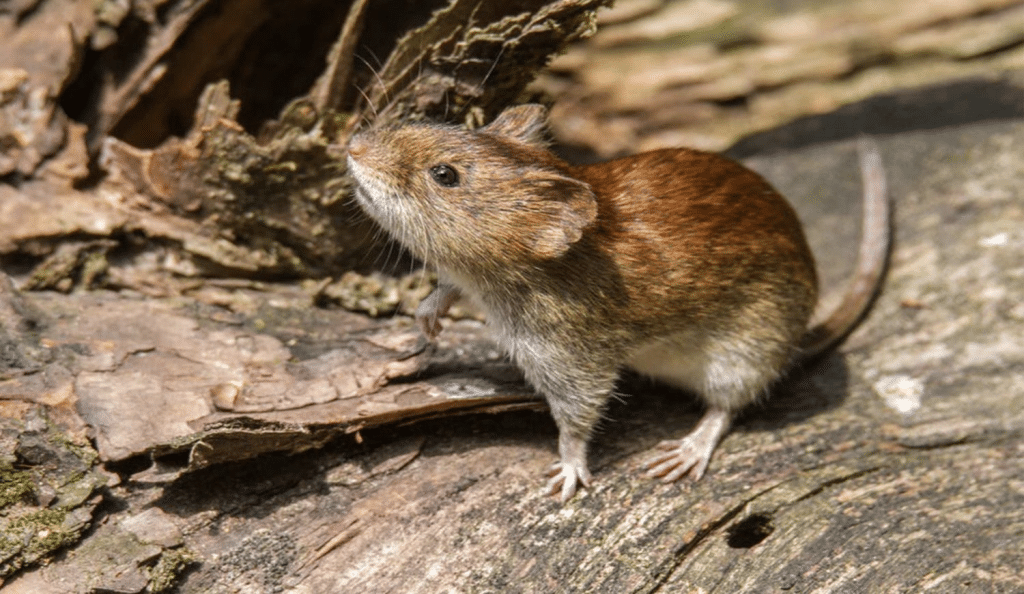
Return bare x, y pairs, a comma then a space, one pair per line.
706, 73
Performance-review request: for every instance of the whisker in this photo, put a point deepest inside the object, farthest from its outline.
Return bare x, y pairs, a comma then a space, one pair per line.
380, 82
490, 71
366, 100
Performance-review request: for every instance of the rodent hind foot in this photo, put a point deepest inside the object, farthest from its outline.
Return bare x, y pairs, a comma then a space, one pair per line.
691, 454
679, 459
564, 479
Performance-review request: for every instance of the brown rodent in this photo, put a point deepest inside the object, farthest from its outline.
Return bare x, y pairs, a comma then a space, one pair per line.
682, 265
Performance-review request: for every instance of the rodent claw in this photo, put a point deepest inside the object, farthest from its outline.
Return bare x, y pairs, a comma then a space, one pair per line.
680, 472
430, 310
665, 469
563, 485
430, 329
679, 460
658, 460
429, 325
564, 480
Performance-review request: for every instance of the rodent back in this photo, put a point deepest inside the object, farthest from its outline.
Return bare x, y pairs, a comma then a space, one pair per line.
701, 233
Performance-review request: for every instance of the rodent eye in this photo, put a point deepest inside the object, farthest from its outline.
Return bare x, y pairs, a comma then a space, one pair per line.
445, 175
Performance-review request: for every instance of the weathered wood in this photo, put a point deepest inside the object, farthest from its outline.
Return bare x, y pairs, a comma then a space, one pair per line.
894, 466
705, 73
235, 435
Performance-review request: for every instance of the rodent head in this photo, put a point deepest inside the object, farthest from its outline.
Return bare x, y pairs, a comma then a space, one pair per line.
466, 200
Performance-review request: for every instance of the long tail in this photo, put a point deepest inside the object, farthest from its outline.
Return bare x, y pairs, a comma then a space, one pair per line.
872, 260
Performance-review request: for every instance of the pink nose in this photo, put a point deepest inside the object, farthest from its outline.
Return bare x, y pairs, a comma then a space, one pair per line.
356, 147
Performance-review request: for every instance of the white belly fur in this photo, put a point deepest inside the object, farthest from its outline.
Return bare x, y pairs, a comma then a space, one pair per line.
726, 371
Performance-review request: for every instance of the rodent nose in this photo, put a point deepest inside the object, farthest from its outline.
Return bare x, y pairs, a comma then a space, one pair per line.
356, 147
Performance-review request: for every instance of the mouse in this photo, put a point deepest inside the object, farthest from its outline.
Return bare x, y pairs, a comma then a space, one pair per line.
682, 265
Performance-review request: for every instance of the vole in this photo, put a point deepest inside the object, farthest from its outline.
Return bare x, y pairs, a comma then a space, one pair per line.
680, 264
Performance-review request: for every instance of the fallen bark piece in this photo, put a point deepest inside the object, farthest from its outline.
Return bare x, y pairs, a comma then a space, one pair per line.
155, 377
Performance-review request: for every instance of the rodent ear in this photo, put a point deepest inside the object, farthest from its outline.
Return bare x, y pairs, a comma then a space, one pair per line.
569, 206
525, 123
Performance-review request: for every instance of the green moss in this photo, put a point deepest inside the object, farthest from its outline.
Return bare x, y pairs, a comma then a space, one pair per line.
164, 574
86, 454
28, 538
46, 528
93, 267
15, 486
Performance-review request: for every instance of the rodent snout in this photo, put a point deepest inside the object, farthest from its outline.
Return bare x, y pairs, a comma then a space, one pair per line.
356, 147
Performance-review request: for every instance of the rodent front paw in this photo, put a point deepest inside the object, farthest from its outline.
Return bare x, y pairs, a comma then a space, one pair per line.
429, 324
430, 310
565, 478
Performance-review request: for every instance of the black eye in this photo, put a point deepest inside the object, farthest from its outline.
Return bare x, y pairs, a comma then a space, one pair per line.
445, 175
